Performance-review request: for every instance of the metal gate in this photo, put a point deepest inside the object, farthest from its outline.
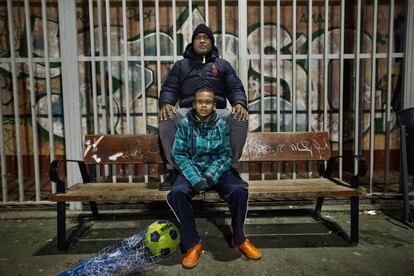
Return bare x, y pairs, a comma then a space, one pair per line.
70, 67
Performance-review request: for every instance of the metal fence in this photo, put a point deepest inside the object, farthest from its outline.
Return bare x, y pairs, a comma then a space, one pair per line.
71, 67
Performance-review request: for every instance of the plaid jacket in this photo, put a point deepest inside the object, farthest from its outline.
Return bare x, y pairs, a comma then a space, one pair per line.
201, 150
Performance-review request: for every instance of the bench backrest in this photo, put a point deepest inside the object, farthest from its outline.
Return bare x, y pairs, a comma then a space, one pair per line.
264, 146
287, 146
123, 149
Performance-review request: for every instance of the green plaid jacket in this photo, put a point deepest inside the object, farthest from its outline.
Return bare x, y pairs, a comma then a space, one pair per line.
201, 150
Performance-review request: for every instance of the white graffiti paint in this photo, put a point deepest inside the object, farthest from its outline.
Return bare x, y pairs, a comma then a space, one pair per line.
132, 154
115, 156
95, 144
317, 146
96, 158
258, 147
88, 144
301, 147
279, 148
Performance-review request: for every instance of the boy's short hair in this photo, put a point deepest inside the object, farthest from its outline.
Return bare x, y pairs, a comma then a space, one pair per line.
203, 90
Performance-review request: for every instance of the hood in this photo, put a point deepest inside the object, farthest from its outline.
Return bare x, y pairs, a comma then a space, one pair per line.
202, 28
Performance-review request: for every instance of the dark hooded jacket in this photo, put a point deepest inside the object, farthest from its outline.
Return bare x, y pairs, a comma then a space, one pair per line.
190, 74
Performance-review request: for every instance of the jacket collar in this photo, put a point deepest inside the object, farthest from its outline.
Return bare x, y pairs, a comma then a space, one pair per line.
192, 117
190, 53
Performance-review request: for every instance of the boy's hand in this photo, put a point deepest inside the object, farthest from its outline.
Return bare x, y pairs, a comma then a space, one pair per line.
167, 111
201, 186
240, 113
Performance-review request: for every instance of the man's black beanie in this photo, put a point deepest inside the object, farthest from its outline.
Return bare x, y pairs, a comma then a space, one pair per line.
203, 29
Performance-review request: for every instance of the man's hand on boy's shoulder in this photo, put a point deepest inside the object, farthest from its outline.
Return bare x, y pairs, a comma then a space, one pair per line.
167, 111
240, 113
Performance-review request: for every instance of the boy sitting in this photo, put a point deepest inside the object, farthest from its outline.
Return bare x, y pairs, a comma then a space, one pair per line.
202, 155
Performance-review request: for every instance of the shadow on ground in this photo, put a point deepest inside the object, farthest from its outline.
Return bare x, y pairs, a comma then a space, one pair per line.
90, 236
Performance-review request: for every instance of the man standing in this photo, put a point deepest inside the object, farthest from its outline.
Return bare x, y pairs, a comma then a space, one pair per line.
202, 68
202, 155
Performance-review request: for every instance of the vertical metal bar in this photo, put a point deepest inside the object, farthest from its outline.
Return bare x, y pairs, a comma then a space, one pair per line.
4, 189
310, 75
373, 89
243, 61
190, 12
278, 86
309, 64
109, 58
294, 79
325, 71
206, 12
102, 69
32, 99
93, 67
126, 77
142, 38
102, 78
326, 68
294, 69
262, 65
174, 18
389, 91
70, 89
223, 27
125, 35
357, 69
341, 89
262, 106
404, 174
15, 102
408, 96
48, 90
157, 34
110, 85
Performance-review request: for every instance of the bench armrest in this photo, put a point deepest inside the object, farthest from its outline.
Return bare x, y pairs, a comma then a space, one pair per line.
54, 174
361, 166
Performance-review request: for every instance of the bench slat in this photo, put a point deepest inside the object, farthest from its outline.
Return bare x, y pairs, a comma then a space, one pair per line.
258, 190
122, 149
264, 146
287, 146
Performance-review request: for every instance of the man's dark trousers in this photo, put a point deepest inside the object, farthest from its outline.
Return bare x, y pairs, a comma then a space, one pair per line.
230, 190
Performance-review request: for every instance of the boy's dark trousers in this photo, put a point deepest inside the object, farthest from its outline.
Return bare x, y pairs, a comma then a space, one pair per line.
230, 190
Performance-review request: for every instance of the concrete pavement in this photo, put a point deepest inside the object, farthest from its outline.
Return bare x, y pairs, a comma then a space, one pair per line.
293, 243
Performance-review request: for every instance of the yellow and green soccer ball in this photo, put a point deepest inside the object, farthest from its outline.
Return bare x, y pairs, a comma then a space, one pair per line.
162, 238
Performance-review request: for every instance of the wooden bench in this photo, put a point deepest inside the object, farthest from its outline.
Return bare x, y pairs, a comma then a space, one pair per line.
267, 146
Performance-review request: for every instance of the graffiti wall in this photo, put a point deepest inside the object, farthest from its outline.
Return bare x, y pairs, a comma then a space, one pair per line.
302, 69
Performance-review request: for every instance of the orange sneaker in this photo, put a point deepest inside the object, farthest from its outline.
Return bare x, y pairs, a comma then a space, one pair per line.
250, 250
192, 256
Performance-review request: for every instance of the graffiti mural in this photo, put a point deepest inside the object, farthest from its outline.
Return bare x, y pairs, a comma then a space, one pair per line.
304, 71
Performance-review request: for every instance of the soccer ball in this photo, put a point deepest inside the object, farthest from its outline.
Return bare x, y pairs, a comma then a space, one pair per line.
162, 238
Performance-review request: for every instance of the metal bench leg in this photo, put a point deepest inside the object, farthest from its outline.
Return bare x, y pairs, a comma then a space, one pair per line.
61, 225
404, 164
94, 209
354, 219
318, 207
